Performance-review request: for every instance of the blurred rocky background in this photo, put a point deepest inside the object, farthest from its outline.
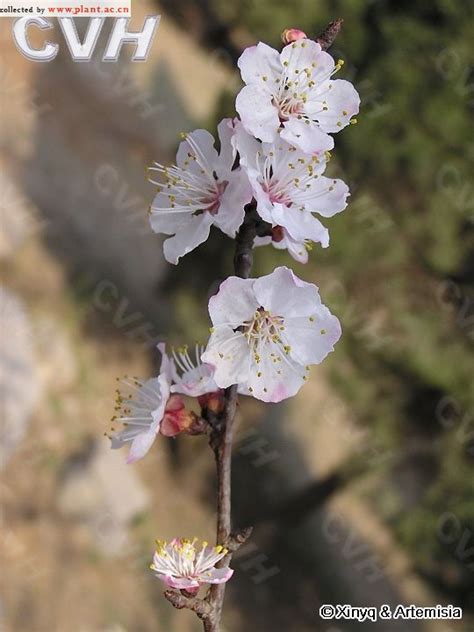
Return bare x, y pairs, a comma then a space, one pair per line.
361, 488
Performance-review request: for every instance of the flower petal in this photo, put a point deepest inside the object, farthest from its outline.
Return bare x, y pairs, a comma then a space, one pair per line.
275, 377
216, 575
257, 112
295, 248
140, 445
166, 367
157, 414
231, 212
262, 241
341, 101
265, 206
229, 353
307, 136
205, 151
330, 196
196, 382
312, 338
226, 132
194, 232
248, 148
181, 583
301, 225
300, 55
260, 65
163, 219
234, 303
284, 294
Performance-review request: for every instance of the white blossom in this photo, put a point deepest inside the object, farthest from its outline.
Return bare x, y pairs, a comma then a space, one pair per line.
282, 240
289, 186
191, 376
201, 190
292, 93
185, 565
267, 332
141, 411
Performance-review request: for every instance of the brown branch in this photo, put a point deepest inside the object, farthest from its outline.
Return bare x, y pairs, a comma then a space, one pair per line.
243, 257
238, 538
327, 37
222, 436
180, 601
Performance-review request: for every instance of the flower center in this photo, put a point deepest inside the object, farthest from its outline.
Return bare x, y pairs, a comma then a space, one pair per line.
276, 193
288, 103
211, 204
263, 328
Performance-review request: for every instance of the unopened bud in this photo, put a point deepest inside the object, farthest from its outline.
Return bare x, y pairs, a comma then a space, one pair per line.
277, 233
215, 402
176, 418
292, 35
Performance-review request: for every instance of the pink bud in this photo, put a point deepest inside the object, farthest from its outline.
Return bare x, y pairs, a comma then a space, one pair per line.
176, 418
292, 35
215, 402
277, 233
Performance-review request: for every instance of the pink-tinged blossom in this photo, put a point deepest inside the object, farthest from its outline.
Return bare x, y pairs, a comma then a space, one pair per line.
282, 240
201, 190
292, 93
289, 186
266, 333
141, 411
186, 565
191, 376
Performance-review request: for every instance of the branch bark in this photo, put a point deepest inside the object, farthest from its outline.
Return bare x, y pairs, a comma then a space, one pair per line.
180, 601
222, 436
327, 37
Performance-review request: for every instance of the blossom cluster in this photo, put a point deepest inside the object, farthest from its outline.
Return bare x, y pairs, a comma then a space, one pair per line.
275, 154
266, 332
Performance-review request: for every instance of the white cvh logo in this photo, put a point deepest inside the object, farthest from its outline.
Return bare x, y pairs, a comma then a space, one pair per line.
82, 51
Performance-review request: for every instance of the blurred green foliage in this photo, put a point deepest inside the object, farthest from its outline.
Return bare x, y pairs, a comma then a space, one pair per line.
399, 272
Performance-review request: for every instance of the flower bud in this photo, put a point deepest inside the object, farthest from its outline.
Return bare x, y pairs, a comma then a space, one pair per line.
215, 402
292, 35
277, 234
176, 418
